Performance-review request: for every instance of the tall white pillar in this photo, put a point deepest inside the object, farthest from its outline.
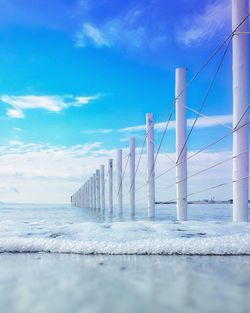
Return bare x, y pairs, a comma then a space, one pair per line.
98, 190
81, 197
88, 202
94, 187
119, 180
181, 147
83, 188
91, 192
102, 188
110, 176
240, 9
150, 164
132, 176
84, 196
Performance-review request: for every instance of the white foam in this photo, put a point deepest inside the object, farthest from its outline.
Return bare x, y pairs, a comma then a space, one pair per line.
138, 237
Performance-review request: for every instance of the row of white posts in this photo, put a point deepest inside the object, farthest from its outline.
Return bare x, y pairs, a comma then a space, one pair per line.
92, 193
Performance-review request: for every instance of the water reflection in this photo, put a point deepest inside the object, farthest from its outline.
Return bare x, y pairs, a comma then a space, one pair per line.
79, 283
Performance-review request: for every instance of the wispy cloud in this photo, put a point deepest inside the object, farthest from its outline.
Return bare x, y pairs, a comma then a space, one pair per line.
206, 24
91, 33
98, 131
52, 104
136, 28
203, 122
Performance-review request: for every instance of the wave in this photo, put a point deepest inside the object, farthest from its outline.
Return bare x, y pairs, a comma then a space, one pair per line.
61, 230
226, 245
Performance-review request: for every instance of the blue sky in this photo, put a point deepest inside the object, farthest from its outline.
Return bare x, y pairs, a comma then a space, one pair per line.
76, 73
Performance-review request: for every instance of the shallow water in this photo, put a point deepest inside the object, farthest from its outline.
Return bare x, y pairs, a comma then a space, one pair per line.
58, 228
37, 283
61, 282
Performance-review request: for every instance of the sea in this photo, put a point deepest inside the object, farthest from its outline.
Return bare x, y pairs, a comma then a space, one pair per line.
59, 258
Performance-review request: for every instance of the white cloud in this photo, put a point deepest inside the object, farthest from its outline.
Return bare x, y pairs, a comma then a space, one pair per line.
50, 103
51, 173
205, 25
202, 122
15, 113
130, 30
94, 34
45, 172
17, 129
98, 131
15, 142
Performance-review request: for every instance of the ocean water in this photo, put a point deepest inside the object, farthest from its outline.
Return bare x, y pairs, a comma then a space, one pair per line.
66, 229
77, 261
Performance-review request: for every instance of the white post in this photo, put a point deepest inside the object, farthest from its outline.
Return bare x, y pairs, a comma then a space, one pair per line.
110, 173
83, 188
81, 196
151, 165
87, 194
181, 147
94, 187
84, 196
102, 188
240, 9
91, 192
88, 202
132, 176
98, 190
119, 181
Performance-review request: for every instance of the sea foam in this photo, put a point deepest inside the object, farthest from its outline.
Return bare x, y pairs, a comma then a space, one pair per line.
135, 238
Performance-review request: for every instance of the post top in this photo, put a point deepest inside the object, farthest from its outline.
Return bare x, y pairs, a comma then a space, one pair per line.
181, 69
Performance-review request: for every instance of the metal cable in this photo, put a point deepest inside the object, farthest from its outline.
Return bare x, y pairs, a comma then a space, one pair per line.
206, 169
205, 99
126, 164
195, 121
193, 78
213, 187
203, 149
209, 117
